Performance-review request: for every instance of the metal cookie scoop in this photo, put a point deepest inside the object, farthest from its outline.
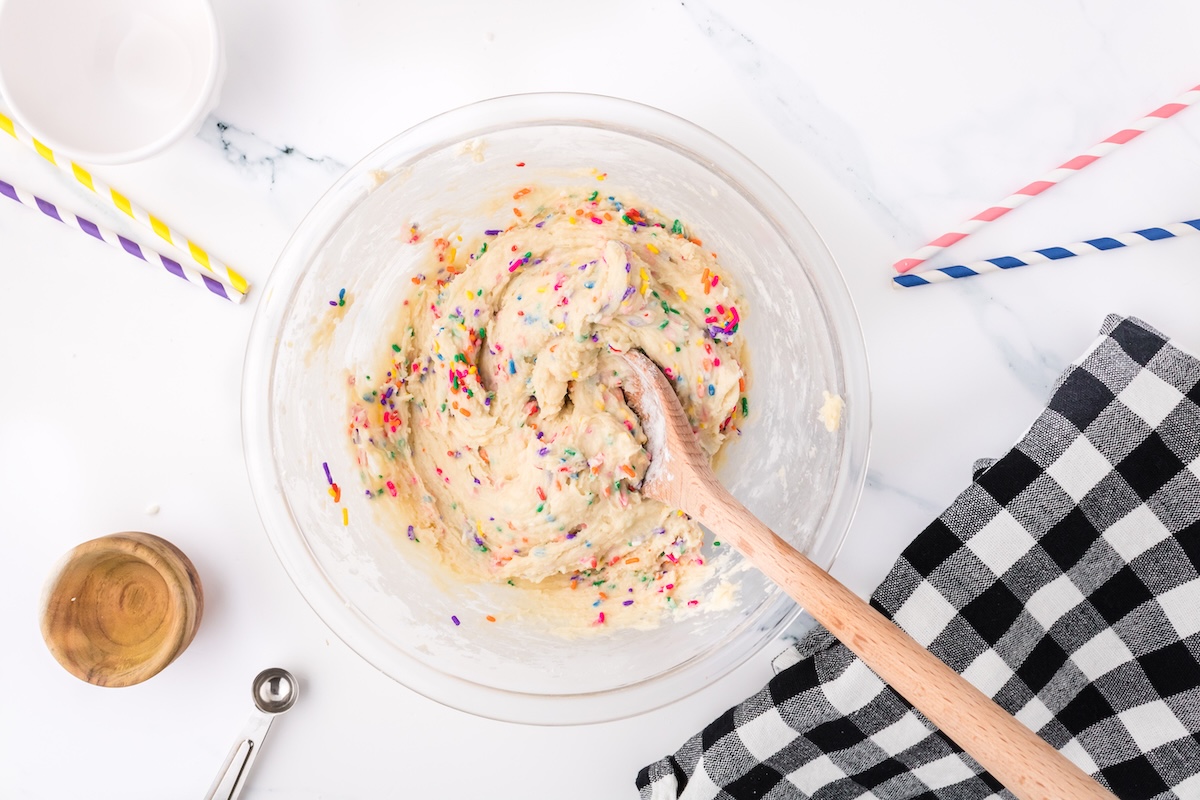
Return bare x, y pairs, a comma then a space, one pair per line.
275, 691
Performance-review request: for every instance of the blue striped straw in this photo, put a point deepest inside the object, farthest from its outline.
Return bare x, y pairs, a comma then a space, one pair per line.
944, 274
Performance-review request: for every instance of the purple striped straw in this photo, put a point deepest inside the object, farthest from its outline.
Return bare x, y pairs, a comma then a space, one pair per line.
150, 256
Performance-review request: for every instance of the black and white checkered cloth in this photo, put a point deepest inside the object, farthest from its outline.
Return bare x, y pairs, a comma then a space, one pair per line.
1063, 583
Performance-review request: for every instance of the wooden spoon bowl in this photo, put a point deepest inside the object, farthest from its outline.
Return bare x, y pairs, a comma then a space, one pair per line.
119, 609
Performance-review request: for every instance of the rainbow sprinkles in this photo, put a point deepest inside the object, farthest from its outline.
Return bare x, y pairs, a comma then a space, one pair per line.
496, 431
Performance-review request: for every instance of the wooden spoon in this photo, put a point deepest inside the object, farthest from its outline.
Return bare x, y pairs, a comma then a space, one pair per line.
680, 476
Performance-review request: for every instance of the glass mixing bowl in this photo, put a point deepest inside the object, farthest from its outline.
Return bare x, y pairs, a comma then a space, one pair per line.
801, 332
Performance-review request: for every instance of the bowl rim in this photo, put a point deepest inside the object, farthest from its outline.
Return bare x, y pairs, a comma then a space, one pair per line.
506, 112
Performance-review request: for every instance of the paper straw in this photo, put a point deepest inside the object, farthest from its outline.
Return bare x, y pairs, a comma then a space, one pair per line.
188, 273
943, 274
122, 202
1059, 175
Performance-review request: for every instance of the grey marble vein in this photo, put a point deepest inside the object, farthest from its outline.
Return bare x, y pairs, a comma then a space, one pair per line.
792, 105
1035, 367
256, 156
877, 483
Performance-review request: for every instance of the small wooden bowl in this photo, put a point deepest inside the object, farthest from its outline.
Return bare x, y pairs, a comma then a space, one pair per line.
120, 608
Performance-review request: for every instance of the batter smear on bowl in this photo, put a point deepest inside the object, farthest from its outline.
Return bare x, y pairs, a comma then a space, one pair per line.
498, 425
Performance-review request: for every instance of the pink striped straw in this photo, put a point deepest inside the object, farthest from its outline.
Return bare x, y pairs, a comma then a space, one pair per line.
1056, 176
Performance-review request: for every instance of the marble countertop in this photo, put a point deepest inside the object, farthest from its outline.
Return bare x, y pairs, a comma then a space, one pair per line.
887, 123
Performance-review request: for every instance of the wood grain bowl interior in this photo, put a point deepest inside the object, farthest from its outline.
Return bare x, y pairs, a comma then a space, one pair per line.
119, 609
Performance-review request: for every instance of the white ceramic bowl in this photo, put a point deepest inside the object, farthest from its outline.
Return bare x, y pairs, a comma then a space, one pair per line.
109, 81
801, 331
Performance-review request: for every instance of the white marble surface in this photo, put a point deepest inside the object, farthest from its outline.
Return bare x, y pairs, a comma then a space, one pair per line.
886, 122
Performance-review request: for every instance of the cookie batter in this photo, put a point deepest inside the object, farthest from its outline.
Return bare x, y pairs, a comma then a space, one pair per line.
501, 429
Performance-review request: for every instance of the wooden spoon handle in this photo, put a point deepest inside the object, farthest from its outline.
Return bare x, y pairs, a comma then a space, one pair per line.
1016, 756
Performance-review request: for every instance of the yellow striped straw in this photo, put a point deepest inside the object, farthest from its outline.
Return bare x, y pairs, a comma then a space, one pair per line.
122, 202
